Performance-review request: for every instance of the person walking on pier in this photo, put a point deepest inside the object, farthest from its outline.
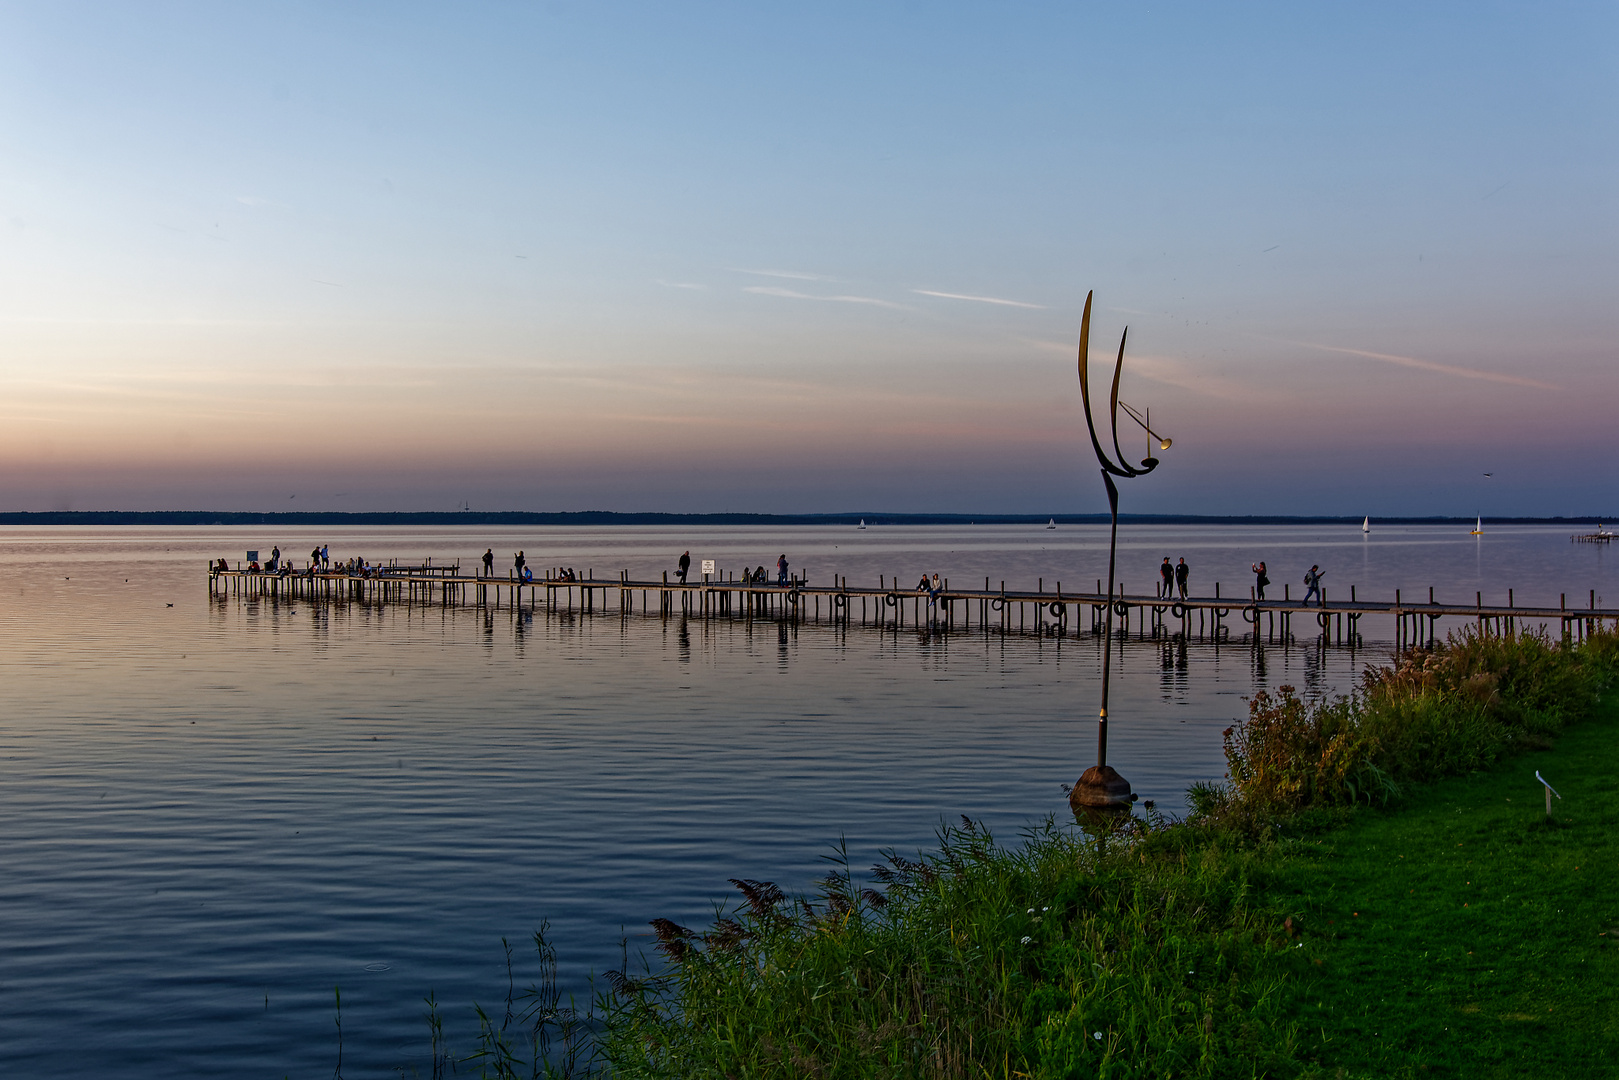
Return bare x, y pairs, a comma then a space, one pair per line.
1312, 582
1261, 579
781, 570
1182, 572
1167, 572
684, 567
489, 563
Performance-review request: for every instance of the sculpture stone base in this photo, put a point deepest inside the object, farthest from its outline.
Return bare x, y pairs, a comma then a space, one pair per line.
1101, 790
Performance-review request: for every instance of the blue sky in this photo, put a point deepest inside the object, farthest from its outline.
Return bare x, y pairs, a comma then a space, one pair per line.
709, 257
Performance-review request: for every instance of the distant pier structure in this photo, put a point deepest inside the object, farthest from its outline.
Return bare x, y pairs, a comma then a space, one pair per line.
951, 609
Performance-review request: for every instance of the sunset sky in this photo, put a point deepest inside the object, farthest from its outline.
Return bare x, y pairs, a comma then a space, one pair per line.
832, 258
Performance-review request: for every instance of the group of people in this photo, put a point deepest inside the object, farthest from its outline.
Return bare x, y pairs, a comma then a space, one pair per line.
1175, 576
520, 568
1312, 582
683, 567
932, 586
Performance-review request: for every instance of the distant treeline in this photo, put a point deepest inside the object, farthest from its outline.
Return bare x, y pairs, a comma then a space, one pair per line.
608, 517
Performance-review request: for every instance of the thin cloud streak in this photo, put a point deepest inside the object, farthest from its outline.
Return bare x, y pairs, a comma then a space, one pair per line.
680, 284
772, 290
1170, 371
979, 299
1430, 365
792, 274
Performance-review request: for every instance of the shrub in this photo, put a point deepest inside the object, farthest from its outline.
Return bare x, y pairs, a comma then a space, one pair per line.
1433, 712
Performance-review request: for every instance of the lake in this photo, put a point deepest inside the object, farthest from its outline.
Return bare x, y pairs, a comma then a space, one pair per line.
216, 811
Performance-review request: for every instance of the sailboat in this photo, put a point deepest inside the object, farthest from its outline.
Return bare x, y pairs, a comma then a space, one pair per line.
1478, 528
1366, 526
862, 524
1052, 524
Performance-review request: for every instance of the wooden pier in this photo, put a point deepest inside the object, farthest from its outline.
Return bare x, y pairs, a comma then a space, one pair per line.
1053, 612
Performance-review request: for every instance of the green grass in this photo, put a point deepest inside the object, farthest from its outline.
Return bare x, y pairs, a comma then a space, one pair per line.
1338, 910
1465, 935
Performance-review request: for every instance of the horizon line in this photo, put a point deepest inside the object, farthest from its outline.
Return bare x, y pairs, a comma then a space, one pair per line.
616, 517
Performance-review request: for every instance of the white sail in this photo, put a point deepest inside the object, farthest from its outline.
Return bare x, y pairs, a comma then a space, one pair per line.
1052, 524
1366, 526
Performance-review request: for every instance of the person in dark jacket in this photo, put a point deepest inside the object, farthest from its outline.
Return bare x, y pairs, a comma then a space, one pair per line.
1167, 572
1312, 585
489, 563
685, 566
1261, 579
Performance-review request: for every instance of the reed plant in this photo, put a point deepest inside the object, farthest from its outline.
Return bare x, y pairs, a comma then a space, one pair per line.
1112, 951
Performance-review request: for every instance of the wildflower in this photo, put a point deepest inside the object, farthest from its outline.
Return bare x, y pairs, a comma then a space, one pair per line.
1026, 940
1098, 1035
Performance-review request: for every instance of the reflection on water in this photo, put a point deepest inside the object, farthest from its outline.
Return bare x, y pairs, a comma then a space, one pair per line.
218, 811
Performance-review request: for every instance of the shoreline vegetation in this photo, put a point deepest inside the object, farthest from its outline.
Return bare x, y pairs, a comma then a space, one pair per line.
1376, 891
610, 517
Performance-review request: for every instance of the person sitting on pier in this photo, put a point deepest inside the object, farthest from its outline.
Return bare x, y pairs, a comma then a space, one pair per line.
936, 588
1312, 581
923, 585
1167, 572
527, 574
222, 567
1261, 579
253, 567
1182, 572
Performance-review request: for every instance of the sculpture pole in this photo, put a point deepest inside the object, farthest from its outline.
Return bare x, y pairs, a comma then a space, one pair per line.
1101, 788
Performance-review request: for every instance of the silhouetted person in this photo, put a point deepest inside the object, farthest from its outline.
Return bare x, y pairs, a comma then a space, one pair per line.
1261, 579
1312, 581
489, 563
781, 570
1167, 572
1182, 572
685, 566
518, 562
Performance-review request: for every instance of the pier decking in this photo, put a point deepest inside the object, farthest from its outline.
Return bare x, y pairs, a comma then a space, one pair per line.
990, 609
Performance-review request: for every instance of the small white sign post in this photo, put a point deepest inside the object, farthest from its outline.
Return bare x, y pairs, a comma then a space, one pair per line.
1549, 792
708, 567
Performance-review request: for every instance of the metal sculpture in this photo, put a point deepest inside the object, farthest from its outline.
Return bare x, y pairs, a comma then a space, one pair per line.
1101, 788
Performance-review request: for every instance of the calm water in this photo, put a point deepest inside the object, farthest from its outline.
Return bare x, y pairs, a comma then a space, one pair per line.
216, 812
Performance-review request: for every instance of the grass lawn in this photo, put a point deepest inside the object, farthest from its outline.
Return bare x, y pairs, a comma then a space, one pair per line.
1464, 934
